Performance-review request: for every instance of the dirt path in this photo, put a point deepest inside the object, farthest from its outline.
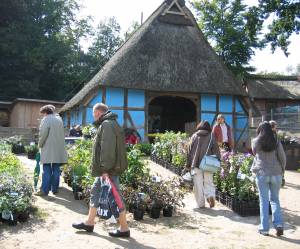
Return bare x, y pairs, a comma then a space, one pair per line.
206, 228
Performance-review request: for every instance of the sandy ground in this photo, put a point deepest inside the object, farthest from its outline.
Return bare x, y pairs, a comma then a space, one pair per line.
190, 228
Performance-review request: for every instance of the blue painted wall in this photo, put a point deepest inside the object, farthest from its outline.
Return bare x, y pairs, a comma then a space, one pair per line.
138, 118
115, 97
136, 98
225, 103
96, 99
208, 102
209, 111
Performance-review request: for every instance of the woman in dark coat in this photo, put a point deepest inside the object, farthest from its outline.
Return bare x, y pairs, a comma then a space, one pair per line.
202, 140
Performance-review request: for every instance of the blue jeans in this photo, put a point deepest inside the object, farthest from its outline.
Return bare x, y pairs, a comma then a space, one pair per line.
268, 187
50, 178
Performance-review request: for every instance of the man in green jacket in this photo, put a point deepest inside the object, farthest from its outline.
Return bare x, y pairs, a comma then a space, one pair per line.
108, 160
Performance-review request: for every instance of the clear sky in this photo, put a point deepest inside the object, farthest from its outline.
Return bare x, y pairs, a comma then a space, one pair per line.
127, 11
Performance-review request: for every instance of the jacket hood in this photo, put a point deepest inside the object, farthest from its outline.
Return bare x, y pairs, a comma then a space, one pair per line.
107, 116
202, 133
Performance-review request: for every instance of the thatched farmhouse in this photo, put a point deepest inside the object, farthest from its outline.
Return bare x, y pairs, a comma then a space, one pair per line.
165, 76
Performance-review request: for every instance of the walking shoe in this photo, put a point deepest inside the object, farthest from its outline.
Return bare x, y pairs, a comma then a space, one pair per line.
82, 226
40, 193
119, 234
264, 233
279, 231
211, 201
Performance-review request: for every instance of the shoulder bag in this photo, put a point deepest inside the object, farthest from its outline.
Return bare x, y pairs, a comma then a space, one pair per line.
209, 163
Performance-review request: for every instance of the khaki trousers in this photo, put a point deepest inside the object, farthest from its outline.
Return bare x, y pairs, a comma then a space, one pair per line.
203, 186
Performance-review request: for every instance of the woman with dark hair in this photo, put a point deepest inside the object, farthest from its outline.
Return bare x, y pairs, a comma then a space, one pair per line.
268, 166
202, 140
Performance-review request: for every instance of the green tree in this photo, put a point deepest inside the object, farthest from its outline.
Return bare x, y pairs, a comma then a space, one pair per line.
285, 17
232, 29
107, 39
39, 48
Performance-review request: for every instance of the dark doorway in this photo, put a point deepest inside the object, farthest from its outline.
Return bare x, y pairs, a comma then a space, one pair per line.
168, 113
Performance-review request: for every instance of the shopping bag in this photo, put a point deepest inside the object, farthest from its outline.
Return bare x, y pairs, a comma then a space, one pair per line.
104, 210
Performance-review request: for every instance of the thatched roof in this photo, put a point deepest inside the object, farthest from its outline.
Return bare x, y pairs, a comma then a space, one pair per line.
274, 88
167, 53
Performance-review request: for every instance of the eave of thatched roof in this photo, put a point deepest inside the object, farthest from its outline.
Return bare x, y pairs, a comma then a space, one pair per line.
167, 53
275, 88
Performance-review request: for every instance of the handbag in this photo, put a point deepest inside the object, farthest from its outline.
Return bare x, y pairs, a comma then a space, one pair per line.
209, 163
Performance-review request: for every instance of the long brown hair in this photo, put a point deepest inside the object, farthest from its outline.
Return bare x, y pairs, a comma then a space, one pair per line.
204, 125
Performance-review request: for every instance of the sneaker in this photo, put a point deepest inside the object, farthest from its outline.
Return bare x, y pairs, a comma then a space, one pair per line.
264, 233
40, 193
279, 231
83, 226
211, 201
119, 234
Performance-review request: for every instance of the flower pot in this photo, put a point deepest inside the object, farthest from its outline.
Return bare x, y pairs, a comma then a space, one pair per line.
23, 216
155, 212
13, 221
78, 195
130, 207
31, 155
168, 211
138, 214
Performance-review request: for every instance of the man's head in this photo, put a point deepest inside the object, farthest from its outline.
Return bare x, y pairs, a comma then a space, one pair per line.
47, 109
220, 119
99, 110
273, 124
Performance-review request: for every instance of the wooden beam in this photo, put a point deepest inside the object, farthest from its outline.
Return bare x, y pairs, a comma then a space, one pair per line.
84, 115
125, 108
146, 117
104, 95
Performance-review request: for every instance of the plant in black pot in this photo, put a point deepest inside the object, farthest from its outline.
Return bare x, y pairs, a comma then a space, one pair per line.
139, 206
31, 150
172, 196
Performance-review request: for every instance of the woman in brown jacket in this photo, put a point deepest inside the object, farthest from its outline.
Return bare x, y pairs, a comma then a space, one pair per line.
203, 181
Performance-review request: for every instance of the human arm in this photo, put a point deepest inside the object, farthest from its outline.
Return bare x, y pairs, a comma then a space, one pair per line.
44, 132
108, 147
281, 156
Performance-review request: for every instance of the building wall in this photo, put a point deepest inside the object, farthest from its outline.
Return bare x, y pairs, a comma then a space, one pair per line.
27, 114
130, 106
4, 118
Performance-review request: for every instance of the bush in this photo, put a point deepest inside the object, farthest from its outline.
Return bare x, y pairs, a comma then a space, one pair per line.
172, 147
145, 149
15, 194
235, 178
136, 169
9, 164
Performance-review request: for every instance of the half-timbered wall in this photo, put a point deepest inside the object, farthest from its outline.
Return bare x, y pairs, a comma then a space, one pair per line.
129, 105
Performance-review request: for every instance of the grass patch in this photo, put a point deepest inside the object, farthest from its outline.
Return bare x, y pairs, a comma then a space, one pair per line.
41, 214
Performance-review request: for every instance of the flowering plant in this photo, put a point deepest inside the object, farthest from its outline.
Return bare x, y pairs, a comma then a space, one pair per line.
235, 178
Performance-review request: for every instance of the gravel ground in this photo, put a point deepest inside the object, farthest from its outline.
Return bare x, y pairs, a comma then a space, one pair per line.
192, 228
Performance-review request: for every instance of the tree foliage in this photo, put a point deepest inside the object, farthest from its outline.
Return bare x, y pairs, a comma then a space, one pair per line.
107, 39
41, 55
285, 20
231, 28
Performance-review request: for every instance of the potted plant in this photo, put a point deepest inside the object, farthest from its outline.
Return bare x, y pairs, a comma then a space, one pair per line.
139, 206
172, 196
31, 150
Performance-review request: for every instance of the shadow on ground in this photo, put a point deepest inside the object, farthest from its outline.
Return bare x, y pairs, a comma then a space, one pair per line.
123, 243
35, 222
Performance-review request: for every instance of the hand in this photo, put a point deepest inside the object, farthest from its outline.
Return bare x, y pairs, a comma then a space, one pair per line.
283, 182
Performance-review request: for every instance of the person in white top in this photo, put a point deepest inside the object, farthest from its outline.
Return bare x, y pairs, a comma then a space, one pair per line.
223, 134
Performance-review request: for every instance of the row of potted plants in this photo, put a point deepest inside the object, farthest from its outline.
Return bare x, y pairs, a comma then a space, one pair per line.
234, 182
169, 150
141, 191
15, 190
